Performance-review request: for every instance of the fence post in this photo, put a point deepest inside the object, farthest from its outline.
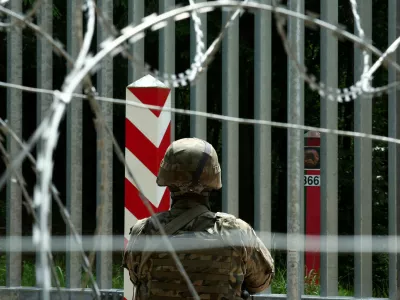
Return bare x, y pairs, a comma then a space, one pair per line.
329, 154
166, 53
230, 107
104, 158
14, 116
363, 164
262, 133
74, 148
136, 10
295, 144
394, 154
147, 137
44, 67
312, 184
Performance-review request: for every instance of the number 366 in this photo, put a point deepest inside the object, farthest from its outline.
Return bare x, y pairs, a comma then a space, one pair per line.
311, 180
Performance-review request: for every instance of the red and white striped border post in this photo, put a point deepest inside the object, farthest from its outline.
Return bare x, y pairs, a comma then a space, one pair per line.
147, 137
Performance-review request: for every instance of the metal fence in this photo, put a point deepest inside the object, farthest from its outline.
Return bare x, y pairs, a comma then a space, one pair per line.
230, 135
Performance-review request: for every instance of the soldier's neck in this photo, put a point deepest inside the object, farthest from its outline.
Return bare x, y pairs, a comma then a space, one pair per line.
189, 200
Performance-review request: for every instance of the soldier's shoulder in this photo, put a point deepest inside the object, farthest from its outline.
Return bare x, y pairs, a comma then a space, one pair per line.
151, 222
138, 227
224, 216
232, 221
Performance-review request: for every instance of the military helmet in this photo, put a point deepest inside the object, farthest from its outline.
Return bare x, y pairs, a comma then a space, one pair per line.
190, 165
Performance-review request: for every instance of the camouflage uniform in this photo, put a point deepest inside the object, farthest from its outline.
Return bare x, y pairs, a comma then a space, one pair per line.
235, 256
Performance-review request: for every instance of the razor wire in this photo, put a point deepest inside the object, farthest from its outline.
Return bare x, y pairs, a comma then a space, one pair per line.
340, 95
86, 64
334, 94
182, 79
156, 22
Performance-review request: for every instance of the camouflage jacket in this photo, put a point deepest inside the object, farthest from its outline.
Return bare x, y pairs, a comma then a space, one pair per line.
252, 265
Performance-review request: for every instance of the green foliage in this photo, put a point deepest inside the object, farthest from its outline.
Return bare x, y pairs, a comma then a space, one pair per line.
29, 273
311, 286
278, 285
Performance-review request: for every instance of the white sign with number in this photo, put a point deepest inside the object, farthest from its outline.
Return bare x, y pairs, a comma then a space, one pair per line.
311, 180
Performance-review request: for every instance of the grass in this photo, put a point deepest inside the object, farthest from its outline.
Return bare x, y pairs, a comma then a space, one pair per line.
311, 286
29, 275
278, 286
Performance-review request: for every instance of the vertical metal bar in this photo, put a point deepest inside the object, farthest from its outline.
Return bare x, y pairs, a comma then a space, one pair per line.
329, 154
394, 154
44, 73
363, 165
105, 155
74, 146
295, 167
135, 72
262, 111
167, 53
230, 107
135, 16
198, 92
14, 116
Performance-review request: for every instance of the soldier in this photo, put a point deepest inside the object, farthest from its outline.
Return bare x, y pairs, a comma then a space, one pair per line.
229, 260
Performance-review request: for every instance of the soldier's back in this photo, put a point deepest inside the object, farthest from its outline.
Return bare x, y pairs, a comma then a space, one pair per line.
214, 250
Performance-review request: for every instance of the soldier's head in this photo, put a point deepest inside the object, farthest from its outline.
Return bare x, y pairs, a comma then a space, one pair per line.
190, 166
